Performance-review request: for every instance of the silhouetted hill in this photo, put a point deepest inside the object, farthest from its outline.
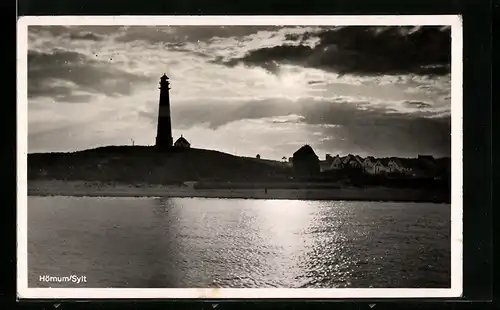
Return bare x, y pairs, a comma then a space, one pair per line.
146, 164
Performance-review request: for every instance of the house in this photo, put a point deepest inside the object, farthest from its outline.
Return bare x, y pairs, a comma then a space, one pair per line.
332, 163
346, 159
368, 163
324, 165
182, 143
336, 163
305, 162
413, 167
378, 168
404, 167
427, 165
352, 161
426, 161
394, 166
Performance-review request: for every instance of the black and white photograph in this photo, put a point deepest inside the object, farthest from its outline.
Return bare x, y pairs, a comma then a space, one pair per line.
239, 156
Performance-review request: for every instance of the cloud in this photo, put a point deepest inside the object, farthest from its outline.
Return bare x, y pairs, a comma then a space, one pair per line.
290, 119
362, 50
341, 110
73, 33
340, 126
208, 112
185, 34
418, 104
346, 128
315, 82
279, 87
288, 54
85, 36
62, 74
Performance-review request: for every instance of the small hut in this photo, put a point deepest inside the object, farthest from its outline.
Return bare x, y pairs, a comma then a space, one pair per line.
305, 162
182, 143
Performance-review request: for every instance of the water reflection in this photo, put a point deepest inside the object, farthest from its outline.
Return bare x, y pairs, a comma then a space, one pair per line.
281, 229
193, 242
159, 252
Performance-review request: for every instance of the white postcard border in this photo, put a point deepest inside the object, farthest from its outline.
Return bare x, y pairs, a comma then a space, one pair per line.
455, 21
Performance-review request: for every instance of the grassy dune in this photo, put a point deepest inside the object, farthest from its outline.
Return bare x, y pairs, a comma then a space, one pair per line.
141, 164
147, 171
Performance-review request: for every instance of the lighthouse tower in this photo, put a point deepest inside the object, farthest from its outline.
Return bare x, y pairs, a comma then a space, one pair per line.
164, 132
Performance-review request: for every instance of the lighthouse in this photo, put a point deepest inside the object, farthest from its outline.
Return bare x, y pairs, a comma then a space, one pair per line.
164, 131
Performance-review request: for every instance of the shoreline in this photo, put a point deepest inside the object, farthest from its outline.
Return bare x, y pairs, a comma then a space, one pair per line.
98, 189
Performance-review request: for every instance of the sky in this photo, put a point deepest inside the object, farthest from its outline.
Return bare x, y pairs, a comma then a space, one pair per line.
244, 90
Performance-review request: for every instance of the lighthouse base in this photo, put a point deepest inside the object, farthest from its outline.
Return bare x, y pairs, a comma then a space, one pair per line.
162, 143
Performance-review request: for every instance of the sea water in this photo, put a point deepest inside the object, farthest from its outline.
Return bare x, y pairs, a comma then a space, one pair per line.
237, 243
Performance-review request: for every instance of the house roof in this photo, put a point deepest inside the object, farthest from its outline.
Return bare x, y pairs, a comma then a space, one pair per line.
351, 157
182, 140
397, 161
369, 160
330, 157
337, 158
347, 158
305, 151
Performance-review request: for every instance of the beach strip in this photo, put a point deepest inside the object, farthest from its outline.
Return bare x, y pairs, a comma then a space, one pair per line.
99, 189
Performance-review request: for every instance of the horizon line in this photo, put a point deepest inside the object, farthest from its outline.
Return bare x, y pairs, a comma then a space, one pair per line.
215, 150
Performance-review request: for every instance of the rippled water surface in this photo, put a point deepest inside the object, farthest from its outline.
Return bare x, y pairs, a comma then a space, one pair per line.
196, 242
